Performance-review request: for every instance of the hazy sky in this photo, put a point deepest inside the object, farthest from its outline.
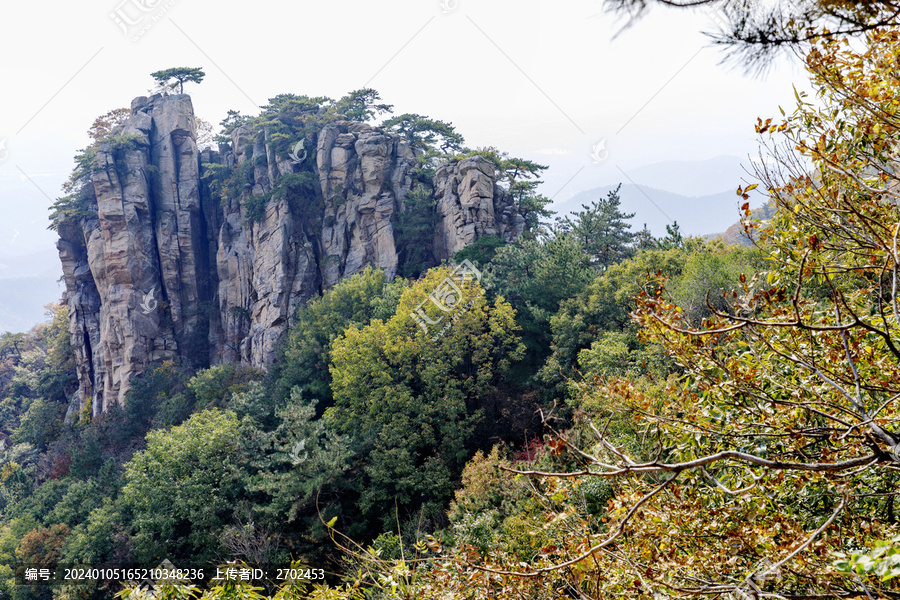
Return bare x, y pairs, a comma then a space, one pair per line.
547, 81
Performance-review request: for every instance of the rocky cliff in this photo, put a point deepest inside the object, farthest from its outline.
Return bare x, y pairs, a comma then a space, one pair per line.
206, 255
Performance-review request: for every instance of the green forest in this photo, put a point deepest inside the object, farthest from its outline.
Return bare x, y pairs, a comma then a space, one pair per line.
609, 415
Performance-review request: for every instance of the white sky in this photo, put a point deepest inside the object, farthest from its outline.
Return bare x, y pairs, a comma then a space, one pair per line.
544, 80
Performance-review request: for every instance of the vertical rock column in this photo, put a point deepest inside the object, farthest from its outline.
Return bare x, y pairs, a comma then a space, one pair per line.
180, 221
121, 252
266, 268
471, 205
132, 282
83, 301
364, 174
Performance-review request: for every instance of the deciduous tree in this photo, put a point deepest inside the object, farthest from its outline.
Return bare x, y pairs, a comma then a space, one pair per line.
105, 124
182, 489
779, 448
411, 396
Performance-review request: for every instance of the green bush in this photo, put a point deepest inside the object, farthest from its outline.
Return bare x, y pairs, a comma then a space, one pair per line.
183, 488
41, 424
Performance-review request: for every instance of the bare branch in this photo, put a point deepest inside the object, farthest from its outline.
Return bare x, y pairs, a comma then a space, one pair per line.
742, 457
619, 530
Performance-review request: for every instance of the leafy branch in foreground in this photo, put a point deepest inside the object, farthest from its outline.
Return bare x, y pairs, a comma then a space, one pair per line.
778, 448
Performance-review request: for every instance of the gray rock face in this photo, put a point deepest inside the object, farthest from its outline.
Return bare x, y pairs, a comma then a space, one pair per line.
364, 175
470, 204
168, 269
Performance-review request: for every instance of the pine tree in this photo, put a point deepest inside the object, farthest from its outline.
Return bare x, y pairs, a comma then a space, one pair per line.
602, 230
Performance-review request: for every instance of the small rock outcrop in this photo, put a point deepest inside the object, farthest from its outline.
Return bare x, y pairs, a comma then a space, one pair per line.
470, 204
166, 264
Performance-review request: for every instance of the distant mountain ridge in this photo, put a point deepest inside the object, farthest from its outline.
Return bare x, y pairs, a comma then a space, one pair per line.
693, 178
657, 208
736, 234
22, 301
28, 282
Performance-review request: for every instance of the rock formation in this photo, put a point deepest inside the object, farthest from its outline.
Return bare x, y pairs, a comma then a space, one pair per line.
166, 265
470, 205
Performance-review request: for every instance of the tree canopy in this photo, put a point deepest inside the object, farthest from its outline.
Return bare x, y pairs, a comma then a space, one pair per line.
412, 398
180, 75
602, 230
104, 125
182, 488
421, 131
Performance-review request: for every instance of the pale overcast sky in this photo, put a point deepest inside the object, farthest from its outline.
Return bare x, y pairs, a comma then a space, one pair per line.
547, 81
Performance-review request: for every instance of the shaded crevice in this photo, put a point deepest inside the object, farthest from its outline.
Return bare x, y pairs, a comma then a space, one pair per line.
89, 352
209, 283
152, 201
